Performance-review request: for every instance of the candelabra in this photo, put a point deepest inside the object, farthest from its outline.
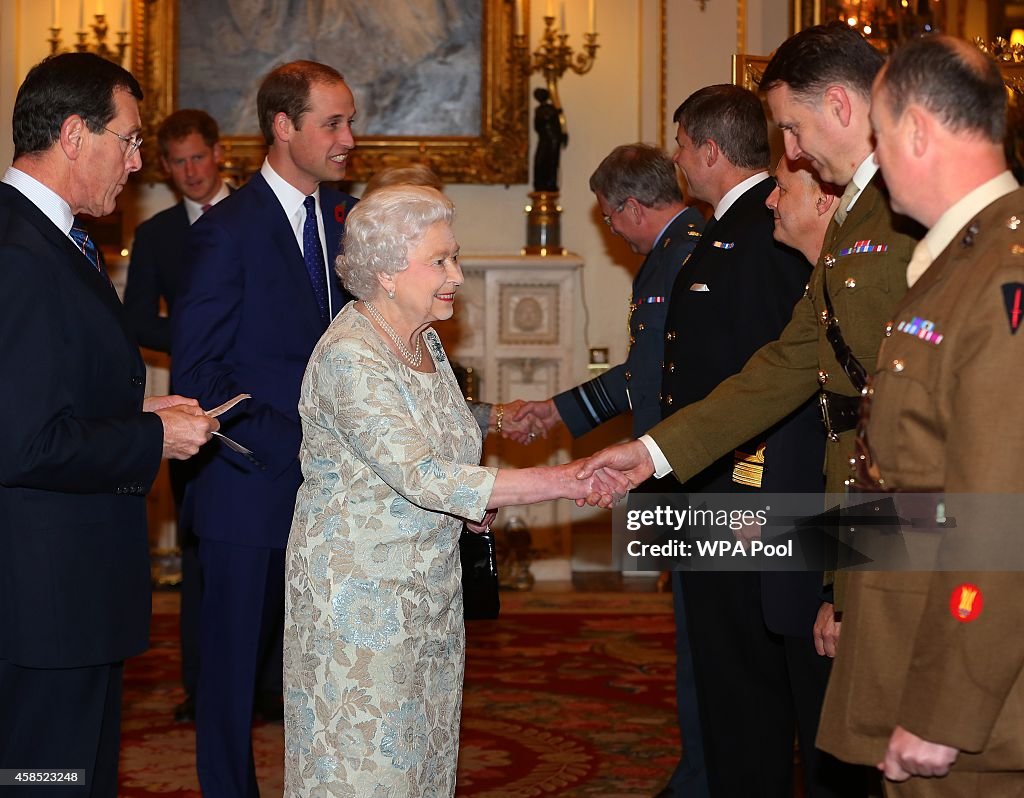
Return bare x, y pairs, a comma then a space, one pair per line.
99, 46
552, 58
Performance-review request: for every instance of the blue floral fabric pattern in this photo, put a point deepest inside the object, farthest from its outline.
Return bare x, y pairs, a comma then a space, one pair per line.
374, 641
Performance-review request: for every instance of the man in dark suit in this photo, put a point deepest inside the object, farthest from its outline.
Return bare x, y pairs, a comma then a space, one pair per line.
190, 153
258, 291
80, 444
637, 190
734, 295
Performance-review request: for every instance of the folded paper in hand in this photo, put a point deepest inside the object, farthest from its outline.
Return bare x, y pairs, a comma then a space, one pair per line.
218, 410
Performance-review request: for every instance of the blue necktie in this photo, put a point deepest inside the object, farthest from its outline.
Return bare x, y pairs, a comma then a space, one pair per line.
313, 254
81, 237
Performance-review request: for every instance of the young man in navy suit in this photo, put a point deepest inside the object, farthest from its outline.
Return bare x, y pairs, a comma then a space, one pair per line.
258, 291
81, 446
190, 153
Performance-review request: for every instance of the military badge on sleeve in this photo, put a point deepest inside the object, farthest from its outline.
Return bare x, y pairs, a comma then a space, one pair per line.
965, 602
1013, 299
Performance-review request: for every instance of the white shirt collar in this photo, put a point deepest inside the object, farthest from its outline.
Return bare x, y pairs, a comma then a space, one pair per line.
291, 198
46, 199
736, 192
956, 217
195, 210
862, 177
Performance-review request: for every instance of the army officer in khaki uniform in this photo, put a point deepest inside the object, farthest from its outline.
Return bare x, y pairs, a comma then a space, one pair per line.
929, 681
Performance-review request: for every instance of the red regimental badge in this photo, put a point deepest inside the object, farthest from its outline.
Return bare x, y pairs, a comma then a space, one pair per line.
966, 602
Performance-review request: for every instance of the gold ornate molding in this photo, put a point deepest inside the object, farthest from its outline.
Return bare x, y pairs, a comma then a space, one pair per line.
748, 69
497, 155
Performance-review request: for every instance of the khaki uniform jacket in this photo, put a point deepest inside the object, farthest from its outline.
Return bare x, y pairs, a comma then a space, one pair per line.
946, 414
869, 257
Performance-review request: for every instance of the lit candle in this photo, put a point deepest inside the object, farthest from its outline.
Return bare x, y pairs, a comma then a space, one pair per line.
81, 14
565, 28
550, 11
124, 14
593, 16
99, 6
518, 11
55, 6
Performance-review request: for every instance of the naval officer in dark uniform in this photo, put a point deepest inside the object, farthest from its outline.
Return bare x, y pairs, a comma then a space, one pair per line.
734, 295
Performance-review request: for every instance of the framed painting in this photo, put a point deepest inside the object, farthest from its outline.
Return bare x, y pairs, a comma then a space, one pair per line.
435, 83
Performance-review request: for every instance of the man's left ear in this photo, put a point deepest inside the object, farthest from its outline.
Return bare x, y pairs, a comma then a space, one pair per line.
711, 152
918, 126
72, 136
838, 104
218, 153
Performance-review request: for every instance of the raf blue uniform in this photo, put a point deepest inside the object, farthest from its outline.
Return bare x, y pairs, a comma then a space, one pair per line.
637, 382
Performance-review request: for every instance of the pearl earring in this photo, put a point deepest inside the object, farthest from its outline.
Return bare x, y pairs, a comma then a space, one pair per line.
391, 294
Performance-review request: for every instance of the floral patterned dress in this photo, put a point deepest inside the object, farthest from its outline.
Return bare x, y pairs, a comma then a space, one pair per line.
374, 638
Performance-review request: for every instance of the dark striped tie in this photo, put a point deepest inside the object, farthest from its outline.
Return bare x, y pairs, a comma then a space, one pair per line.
85, 243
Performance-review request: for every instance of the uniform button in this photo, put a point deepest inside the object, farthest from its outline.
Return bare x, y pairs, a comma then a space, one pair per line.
897, 365
659, 397
888, 329
670, 336
823, 318
822, 377
830, 261
640, 327
662, 364
671, 368
137, 380
629, 376
850, 283
668, 400
632, 340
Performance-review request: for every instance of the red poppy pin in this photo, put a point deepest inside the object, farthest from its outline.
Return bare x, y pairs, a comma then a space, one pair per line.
339, 213
965, 602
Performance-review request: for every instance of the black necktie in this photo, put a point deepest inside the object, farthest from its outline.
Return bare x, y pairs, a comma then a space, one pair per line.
85, 243
313, 254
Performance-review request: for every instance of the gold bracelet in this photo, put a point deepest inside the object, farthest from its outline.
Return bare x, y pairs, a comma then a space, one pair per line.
499, 414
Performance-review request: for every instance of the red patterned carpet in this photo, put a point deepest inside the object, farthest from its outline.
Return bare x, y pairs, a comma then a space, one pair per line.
568, 694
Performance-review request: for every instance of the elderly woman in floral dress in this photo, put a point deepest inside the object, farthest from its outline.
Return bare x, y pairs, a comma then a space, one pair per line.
375, 643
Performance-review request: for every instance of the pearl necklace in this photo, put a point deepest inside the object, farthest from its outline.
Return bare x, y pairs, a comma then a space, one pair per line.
414, 358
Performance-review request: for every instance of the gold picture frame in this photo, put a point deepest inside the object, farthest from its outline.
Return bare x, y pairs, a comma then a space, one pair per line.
499, 154
748, 69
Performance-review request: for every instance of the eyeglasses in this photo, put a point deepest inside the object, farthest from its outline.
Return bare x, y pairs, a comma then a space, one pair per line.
133, 142
608, 218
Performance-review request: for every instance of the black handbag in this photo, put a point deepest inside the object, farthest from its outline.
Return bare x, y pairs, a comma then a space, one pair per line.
480, 600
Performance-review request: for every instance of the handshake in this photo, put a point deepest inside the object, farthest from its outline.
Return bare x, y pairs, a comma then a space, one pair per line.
604, 478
